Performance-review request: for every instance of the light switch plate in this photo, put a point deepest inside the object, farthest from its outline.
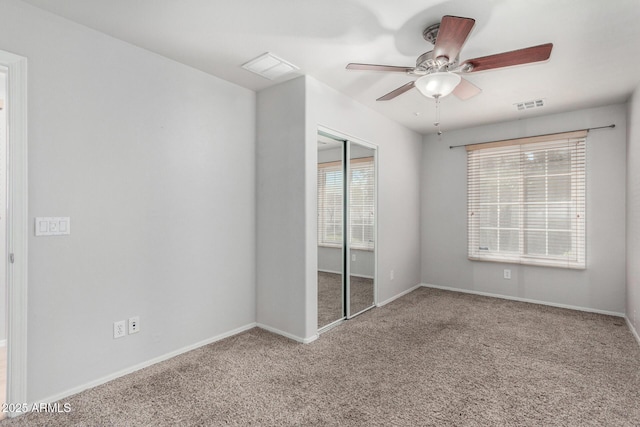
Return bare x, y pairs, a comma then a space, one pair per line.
53, 226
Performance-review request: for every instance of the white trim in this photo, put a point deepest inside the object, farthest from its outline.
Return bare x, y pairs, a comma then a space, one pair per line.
632, 329
143, 365
311, 339
362, 276
346, 228
532, 301
17, 232
376, 222
401, 294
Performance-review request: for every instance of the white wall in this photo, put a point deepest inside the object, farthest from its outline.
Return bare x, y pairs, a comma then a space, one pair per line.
444, 216
155, 164
281, 217
633, 211
399, 153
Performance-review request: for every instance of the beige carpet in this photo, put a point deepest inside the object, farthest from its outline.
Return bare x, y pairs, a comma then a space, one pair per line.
431, 358
330, 296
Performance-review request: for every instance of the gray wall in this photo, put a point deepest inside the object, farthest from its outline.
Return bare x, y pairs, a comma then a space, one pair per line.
155, 164
281, 219
633, 211
444, 205
330, 260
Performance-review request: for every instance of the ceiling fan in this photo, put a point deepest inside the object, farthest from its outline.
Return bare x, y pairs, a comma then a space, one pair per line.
439, 70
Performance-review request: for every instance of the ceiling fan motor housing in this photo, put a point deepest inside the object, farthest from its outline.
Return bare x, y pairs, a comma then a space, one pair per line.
426, 64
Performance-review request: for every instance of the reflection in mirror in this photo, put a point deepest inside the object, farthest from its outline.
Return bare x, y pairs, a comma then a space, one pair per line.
361, 208
330, 225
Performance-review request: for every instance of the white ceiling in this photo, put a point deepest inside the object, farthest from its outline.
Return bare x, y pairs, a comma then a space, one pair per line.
595, 59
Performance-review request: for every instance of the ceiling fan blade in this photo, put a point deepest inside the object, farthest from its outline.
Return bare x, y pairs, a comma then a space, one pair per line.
373, 67
399, 91
507, 59
466, 90
452, 34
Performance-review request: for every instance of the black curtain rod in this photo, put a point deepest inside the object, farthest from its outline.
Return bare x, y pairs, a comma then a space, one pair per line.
534, 136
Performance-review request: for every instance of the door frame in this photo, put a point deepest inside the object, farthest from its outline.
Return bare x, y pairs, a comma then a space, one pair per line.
17, 227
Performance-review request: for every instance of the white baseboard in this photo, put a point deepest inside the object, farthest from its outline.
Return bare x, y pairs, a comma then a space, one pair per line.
362, 276
143, 365
288, 335
401, 294
633, 330
340, 273
533, 301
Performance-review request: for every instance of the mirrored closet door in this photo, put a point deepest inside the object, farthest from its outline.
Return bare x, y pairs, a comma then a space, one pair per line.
346, 228
331, 301
361, 228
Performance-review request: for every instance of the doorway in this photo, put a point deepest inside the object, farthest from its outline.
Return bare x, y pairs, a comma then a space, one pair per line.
15, 229
347, 171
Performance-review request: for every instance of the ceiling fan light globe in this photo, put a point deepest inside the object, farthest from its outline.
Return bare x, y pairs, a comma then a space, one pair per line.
437, 85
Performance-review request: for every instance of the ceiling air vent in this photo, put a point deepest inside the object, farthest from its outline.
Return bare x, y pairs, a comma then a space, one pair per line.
269, 66
528, 105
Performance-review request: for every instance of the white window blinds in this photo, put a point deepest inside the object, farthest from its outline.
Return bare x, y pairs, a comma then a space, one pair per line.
330, 195
361, 204
526, 201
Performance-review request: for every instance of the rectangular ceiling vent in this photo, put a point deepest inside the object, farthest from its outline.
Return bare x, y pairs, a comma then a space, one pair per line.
270, 66
528, 105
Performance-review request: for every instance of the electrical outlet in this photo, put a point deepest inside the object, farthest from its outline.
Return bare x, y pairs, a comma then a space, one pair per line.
119, 329
391, 275
507, 274
353, 257
134, 324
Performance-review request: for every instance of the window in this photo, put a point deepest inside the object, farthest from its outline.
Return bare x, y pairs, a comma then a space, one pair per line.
361, 206
361, 203
526, 200
330, 190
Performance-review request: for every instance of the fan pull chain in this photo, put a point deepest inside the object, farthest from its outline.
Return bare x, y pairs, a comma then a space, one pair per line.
437, 122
